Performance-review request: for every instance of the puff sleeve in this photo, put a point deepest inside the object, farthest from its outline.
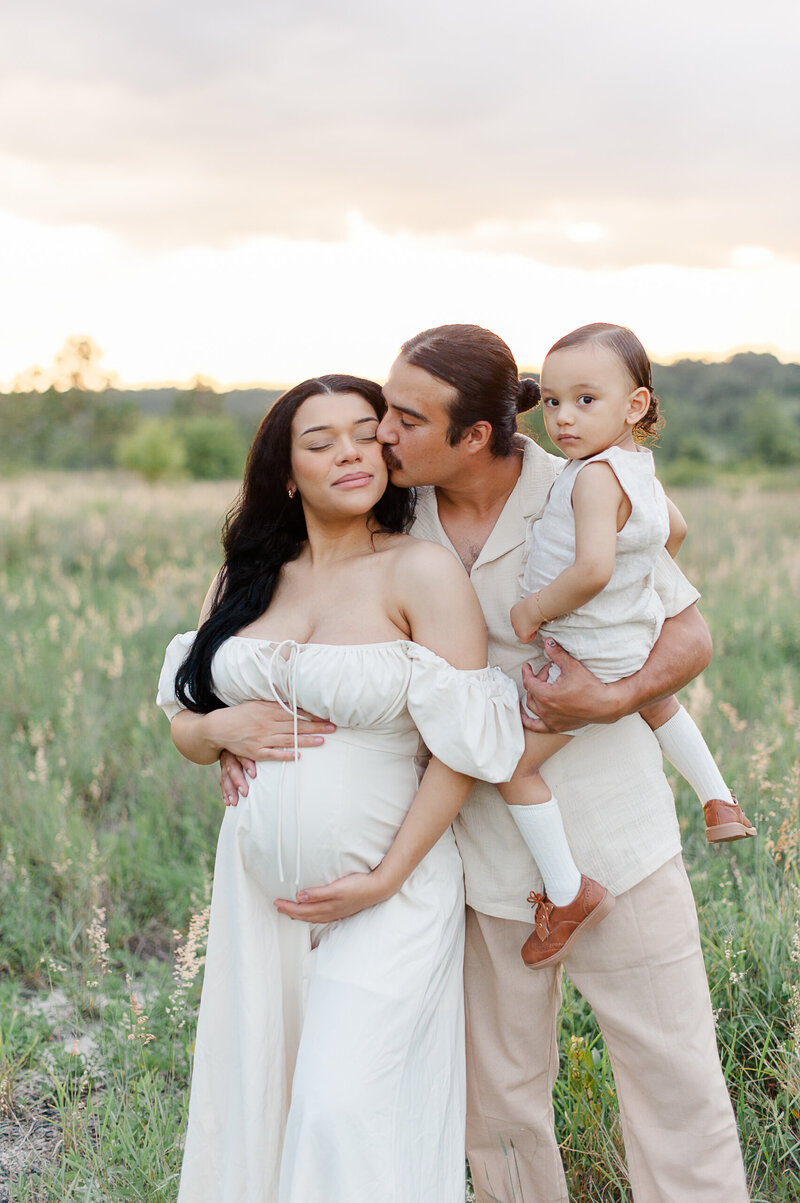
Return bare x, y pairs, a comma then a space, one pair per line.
468, 718
173, 659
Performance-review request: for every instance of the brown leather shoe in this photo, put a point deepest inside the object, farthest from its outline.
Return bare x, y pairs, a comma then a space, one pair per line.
557, 926
726, 821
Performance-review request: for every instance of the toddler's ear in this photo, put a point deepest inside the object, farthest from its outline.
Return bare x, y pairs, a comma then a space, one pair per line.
638, 405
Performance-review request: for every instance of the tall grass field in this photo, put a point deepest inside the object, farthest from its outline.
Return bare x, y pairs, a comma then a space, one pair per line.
107, 840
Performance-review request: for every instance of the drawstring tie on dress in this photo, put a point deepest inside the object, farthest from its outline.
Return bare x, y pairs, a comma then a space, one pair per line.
291, 661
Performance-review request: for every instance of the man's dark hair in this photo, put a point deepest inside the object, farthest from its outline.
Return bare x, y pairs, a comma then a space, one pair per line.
483, 372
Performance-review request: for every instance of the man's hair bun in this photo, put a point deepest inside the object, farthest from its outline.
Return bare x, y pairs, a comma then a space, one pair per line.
529, 394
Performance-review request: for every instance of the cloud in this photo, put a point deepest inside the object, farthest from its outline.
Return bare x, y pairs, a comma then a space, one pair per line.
501, 129
279, 310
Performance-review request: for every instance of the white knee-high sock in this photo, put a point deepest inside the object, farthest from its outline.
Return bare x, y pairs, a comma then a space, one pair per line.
543, 832
684, 747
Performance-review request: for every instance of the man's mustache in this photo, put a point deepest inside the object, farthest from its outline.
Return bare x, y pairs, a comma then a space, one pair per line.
389, 457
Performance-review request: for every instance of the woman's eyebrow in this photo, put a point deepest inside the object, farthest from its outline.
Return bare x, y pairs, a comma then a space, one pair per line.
358, 422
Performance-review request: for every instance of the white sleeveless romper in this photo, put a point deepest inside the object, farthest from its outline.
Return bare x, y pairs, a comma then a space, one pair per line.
613, 633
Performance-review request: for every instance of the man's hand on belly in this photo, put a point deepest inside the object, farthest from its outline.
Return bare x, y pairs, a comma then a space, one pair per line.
233, 774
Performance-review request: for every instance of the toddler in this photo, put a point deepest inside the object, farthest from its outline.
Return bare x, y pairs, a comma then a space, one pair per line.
588, 578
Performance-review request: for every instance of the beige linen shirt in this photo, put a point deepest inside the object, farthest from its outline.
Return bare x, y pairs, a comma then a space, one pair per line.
618, 810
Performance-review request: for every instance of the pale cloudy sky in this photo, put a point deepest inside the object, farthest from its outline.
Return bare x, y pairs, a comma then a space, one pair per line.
261, 191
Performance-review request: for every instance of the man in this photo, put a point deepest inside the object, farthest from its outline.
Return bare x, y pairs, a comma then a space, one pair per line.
450, 425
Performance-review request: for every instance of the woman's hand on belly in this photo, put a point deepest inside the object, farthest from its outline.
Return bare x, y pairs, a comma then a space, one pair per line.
260, 730
344, 897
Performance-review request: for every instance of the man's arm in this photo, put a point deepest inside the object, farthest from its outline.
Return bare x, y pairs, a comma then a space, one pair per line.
577, 697
677, 528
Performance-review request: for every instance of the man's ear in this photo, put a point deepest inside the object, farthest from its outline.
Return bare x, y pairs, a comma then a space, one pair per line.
638, 405
477, 437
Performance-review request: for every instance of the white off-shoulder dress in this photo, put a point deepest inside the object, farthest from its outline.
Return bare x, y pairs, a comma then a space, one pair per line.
329, 1063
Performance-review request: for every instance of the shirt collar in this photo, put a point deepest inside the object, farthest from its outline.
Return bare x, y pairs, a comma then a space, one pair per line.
525, 501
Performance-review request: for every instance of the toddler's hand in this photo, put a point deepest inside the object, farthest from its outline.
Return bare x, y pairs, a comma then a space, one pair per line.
525, 620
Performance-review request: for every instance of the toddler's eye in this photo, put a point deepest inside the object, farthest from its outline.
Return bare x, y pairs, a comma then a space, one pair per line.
550, 402
585, 399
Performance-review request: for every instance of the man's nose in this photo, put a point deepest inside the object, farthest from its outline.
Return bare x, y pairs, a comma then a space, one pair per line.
386, 430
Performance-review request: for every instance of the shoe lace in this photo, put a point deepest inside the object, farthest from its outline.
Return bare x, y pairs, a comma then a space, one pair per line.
541, 915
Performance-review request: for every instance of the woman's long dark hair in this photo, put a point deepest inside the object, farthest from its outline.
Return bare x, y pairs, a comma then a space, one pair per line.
266, 529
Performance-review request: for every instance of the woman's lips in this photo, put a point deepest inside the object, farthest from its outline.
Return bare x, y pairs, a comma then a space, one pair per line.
354, 480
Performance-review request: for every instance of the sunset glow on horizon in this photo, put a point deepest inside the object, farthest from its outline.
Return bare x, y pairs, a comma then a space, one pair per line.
271, 311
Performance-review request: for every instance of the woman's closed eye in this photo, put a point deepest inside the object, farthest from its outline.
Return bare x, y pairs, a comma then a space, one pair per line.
362, 438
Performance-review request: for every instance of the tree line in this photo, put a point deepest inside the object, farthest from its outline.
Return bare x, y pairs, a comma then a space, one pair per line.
741, 413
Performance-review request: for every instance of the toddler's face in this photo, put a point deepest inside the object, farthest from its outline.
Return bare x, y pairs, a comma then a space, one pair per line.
590, 401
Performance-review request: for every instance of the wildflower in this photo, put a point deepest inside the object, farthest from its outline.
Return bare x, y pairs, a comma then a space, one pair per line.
98, 942
189, 960
738, 724
734, 975
136, 1019
113, 667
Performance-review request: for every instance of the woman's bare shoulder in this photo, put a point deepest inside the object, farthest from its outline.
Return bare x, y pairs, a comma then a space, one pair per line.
421, 558
439, 604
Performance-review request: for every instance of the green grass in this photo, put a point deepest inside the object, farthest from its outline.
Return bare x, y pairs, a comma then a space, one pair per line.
100, 816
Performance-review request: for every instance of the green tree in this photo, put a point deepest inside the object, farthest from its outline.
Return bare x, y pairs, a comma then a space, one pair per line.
215, 448
201, 399
154, 449
768, 432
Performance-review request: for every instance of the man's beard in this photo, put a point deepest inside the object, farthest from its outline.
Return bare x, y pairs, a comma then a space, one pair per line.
390, 459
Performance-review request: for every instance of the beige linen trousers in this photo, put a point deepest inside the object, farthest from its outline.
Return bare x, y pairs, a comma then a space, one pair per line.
642, 972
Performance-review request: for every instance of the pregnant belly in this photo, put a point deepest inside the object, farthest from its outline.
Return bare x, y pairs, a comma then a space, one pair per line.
334, 811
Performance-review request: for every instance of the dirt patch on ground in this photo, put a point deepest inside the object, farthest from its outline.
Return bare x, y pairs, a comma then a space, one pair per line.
30, 1141
31, 1128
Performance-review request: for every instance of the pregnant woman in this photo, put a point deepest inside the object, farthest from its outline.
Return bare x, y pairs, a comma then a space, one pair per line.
329, 1059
